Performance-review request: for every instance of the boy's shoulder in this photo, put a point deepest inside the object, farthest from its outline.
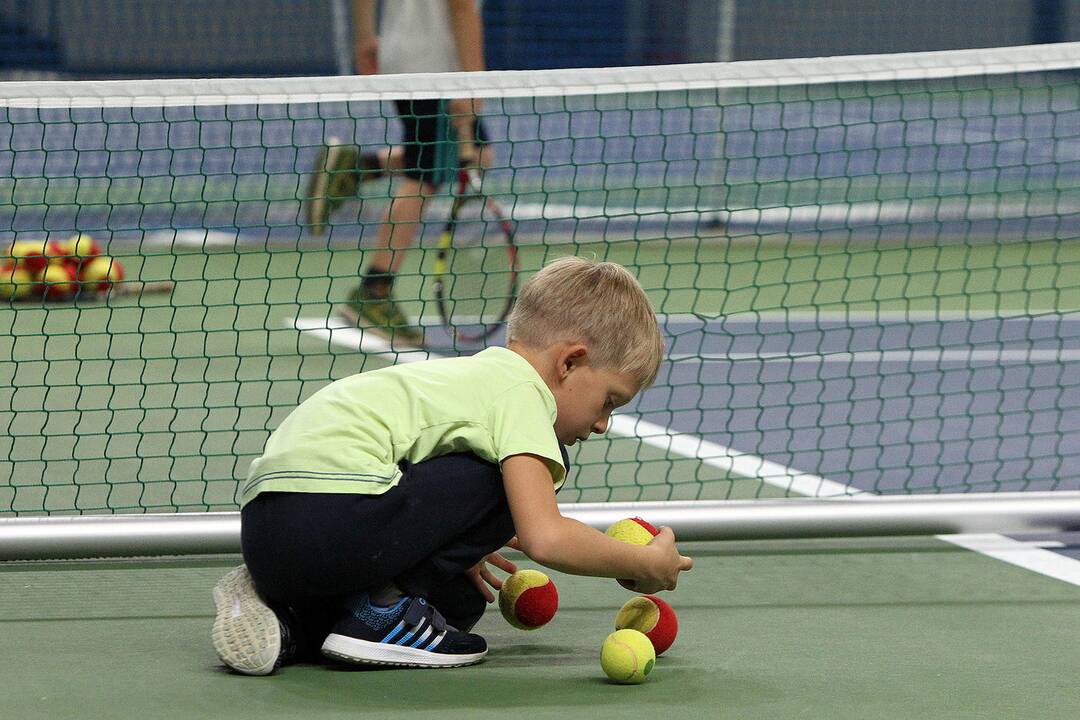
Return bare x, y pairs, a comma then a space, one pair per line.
487, 371
493, 359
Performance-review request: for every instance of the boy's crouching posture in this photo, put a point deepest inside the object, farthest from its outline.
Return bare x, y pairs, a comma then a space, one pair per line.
369, 522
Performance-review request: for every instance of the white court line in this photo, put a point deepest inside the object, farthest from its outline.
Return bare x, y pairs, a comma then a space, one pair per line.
750, 466
904, 211
837, 317
870, 316
890, 356
341, 334
1021, 554
728, 459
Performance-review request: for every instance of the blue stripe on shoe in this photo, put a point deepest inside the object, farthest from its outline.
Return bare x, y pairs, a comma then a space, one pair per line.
388, 638
436, 641
412, 633
422, 639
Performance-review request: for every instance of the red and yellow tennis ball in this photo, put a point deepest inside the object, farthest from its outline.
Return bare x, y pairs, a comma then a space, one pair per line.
58, 281
78, 249
31, 255
16, 283
627, 657
651, 616
528, 599
100, 273
634, 531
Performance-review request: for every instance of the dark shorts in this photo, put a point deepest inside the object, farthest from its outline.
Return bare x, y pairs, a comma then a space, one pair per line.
429, 142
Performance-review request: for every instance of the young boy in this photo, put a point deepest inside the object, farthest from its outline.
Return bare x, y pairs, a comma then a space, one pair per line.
368, 523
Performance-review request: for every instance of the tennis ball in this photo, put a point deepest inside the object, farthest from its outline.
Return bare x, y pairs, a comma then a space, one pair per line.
632, 530
79, 249
31, 255
627, 657
652, 616
58, 281
528, 599
100, 273
15, 282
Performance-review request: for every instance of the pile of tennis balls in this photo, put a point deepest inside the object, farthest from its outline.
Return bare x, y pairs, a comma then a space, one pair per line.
645, 626
56, 269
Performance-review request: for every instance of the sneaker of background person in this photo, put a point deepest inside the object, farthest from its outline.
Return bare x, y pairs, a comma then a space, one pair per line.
339, 169
382, 315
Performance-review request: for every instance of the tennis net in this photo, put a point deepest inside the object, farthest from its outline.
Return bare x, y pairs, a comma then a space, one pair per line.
866, 268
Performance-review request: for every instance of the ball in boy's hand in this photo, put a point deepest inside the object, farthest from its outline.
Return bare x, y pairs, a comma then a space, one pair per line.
627, 657
528, 599
634, 531
652, 616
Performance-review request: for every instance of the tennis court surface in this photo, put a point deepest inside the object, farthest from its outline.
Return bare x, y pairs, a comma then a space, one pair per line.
837, 629
867, 273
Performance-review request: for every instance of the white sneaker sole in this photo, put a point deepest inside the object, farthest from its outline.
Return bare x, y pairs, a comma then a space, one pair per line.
364, 652
246, 634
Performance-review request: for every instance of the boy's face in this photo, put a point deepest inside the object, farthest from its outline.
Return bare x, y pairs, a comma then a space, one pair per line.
585, 398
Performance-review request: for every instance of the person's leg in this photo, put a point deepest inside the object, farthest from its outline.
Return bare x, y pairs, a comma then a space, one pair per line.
307, 551
422, 159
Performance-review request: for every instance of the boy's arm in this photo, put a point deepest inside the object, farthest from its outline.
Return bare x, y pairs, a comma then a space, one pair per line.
567, 545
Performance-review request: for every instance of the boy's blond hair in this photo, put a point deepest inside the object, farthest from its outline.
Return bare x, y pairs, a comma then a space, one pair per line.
598, 303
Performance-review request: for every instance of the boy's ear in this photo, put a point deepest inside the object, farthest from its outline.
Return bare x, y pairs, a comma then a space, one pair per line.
571, 356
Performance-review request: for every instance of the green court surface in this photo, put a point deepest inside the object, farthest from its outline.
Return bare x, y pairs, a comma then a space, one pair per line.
823, 629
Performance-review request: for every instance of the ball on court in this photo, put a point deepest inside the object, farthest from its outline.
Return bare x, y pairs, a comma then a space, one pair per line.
58, 281
528, 599
100, 273
627, 657
651, 616
632, 530
16, 283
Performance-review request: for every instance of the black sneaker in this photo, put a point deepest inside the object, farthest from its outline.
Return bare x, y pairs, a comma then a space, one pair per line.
410, 633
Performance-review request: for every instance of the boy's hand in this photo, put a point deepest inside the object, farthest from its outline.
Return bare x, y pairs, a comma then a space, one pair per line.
666, 565
481, 574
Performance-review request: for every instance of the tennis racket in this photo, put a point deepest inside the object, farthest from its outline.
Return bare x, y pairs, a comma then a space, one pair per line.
476, 265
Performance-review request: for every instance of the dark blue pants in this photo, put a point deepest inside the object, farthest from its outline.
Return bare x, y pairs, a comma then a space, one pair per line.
308, 552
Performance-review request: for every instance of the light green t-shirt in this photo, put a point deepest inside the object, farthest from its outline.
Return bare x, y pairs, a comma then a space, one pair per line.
350, 436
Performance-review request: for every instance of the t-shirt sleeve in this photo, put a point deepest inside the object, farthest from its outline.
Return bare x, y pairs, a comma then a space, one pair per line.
522, 422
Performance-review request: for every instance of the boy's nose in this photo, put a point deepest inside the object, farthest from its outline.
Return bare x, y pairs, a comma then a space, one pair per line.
600, 426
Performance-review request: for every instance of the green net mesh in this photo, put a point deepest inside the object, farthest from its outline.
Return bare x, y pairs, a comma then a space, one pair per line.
867, 270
